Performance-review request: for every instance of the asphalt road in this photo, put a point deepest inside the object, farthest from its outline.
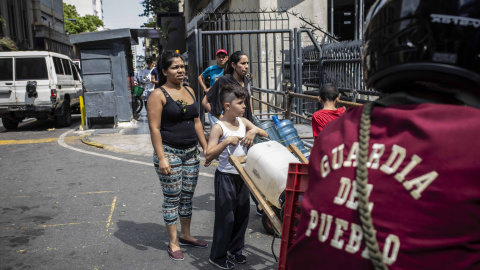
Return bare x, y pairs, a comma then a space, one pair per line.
68, 205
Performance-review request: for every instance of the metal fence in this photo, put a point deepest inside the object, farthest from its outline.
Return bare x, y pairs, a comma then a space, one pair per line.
264, 49
341, 65
281, 61
338, 63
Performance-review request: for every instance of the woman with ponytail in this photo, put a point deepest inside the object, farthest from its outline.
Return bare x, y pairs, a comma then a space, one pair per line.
235, 72
176, 130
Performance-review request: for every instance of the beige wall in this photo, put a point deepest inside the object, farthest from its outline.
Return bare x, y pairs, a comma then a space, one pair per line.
315, 11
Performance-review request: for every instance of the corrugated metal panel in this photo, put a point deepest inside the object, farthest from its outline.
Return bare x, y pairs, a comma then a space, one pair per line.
97, 70
100, 104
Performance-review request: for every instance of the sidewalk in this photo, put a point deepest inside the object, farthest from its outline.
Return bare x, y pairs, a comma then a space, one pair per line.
131, 139
135, 138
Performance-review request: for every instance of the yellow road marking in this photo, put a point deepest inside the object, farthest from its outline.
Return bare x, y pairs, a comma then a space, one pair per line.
14, 197
65, 224
73, 223
54, 225
45, 140
111, 212
54, 195
96, 192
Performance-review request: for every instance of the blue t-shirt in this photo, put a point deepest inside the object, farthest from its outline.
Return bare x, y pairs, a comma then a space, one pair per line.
214, 72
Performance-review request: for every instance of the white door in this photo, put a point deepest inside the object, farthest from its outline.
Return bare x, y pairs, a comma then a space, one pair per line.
7, 83
65, 81
32, 69
77, 81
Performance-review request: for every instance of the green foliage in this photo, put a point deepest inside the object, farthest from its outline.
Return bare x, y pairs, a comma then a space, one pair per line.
2, 23
87, 23
70, 11
151, 24
6, 44
157, 6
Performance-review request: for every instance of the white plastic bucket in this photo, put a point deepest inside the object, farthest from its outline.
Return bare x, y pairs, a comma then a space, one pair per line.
267, 166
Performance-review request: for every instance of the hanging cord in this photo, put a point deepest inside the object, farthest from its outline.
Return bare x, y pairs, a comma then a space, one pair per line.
362, 192
273, 251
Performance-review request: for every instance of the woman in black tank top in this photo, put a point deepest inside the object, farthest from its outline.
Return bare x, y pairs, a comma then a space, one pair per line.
176, 130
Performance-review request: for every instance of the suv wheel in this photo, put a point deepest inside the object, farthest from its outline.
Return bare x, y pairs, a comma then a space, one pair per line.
9, 124
65, 120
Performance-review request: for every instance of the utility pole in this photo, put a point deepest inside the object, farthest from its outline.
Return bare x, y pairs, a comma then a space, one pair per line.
51, 25
49, 36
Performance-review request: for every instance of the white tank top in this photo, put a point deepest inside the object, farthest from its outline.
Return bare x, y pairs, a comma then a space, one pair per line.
237, 150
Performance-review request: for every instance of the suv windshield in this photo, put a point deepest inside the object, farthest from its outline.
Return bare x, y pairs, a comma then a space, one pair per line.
31, 68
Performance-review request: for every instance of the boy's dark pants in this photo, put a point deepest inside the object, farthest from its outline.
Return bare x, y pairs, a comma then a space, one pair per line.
232, 208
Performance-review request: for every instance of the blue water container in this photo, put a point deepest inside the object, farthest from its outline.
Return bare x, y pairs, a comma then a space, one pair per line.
269, 127
289, 134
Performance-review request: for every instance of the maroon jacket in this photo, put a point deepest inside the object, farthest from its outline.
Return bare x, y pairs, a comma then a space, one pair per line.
424, 172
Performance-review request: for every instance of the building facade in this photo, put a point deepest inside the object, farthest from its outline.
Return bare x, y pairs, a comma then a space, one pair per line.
87, 7
343, 19
36, 25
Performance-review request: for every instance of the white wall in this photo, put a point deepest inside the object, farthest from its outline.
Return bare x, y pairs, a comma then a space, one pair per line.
87, 7
314, 11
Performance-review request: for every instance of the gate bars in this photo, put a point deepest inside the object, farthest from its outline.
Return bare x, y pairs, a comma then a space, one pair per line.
283, 69
265, 50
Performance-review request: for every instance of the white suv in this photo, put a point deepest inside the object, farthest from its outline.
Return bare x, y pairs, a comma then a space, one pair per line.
38, 84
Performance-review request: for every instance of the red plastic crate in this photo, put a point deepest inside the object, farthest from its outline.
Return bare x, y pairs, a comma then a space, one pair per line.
297, 183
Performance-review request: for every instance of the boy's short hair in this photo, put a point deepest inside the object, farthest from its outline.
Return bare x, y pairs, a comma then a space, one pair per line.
230, 92
329, 92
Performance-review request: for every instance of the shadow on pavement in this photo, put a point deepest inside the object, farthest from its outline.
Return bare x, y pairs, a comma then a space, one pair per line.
141, 235
42, 125
144, 235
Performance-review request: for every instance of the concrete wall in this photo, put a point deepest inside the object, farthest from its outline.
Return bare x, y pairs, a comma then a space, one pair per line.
314, 10
270, 56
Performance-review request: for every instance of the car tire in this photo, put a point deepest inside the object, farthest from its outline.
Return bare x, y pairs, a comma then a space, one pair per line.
65, 120
9, 124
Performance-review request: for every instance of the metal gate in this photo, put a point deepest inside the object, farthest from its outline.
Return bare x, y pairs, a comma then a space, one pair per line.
269, 53
281, 61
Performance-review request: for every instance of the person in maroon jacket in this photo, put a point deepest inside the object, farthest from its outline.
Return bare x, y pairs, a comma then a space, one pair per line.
395, 184
328, 96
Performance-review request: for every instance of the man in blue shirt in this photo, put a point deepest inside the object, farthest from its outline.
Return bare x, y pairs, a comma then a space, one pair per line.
213, 72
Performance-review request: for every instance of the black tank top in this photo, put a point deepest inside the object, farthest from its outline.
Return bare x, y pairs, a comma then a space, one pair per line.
178, 126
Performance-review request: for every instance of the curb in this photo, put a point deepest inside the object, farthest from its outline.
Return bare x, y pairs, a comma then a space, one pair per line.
85, 138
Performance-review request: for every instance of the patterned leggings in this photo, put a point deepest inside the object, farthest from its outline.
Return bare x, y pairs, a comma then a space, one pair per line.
179, 186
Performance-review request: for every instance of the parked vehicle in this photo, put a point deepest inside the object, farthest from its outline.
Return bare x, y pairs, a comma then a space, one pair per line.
38, 84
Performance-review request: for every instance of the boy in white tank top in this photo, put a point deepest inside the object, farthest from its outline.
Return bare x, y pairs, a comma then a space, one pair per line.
231, 135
